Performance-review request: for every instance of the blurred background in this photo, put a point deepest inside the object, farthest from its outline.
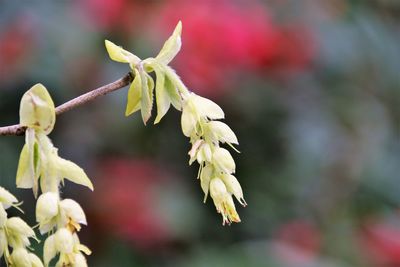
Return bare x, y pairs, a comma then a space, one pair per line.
312, 89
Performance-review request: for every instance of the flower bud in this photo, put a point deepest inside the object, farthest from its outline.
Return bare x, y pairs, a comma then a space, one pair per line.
188, 120
223, 160
35, 261
46, 207
6, 198
20, 257
206, 108
18, 232
73, 211
80, 260
37, 109
220, 132
64, 241
223, 201
233, 186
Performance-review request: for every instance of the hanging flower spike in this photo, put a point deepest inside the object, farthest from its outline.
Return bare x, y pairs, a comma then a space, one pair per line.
198, 120
39, 158
40, 167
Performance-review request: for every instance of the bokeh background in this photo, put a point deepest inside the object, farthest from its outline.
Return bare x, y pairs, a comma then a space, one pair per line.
312, 89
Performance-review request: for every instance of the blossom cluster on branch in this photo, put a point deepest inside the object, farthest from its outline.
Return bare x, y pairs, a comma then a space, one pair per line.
198, 120
41, 169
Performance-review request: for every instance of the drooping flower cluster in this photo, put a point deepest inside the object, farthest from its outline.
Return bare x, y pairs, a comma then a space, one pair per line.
216, 163
40, 164
15, 233
199, 117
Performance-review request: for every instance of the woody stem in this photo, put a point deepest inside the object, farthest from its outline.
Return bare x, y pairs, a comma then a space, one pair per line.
17, 129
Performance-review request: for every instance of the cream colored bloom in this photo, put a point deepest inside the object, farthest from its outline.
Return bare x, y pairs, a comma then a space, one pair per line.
66, 244
72, 214
6, 198
223, 201
18, 232
47, 208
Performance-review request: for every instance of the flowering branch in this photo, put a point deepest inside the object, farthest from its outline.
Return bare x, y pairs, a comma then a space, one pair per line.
17, 129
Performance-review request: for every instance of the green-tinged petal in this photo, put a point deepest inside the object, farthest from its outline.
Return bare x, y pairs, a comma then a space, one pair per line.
162, 98
171, 46
134, 95
37, 109
222, 132
223, 160
73, 211
205, 178
35, 261
84, 249
119, 54
233, 186
188, 121
18, 232
3, 217
80, 260
69, 170
49, 250
175, 98
147, 97
64, 241
20, 258
47, 207
178, 85
207, 108
24, 176
3, 241
6, 198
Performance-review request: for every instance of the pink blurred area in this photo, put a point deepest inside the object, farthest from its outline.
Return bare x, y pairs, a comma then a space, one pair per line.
17, 44
380, 243
222, 40
126, 191
225, 40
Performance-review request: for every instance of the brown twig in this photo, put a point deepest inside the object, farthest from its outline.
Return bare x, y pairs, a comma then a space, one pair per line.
80, 100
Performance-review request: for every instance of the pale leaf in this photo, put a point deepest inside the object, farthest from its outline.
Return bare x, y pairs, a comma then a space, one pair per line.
171, 46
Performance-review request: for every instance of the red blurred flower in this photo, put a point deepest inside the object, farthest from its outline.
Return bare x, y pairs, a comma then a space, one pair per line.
381, 244
15, 44
298, 243
221, 39
123, 16
124, 202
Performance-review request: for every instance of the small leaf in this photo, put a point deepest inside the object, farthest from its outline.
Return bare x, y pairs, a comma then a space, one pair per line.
37, 109
162, 97
24, 176
171, 46
147, 97
119, 54
69, 170
134, 95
